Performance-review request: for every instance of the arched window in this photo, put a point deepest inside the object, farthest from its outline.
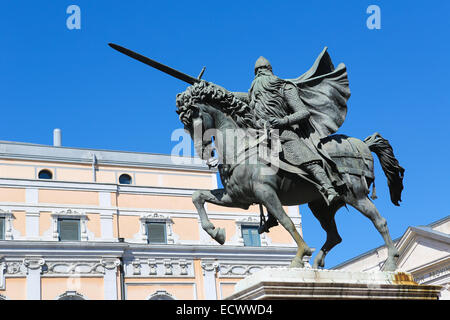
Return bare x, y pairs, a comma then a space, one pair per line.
125, 179
45, 174
161, 295
71, 295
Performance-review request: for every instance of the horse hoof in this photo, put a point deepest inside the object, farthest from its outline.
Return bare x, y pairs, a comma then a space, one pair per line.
297, 263
220, 235
319, 261
318, 264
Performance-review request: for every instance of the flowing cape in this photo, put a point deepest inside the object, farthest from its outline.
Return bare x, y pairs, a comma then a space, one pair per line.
324, 90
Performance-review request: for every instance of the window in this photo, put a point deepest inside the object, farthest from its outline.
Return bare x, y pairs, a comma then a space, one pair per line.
2, 228
69, 225
45, 174
71, 295
125, 179
69, 229
156, 232
156, 228
161, 295
251, 236
6, 230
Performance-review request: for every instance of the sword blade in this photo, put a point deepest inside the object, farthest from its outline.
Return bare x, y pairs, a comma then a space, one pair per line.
155, 64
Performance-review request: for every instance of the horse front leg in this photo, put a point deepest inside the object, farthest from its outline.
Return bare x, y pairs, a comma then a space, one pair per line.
269, 198
219, 197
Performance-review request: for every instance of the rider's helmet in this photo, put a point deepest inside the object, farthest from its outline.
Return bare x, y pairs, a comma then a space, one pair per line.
262, 63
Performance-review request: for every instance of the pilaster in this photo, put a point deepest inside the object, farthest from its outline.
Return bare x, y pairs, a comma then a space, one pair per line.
110, 278
209, 268
34, 270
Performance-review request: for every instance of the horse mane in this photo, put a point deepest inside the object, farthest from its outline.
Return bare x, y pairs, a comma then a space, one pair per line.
217, 97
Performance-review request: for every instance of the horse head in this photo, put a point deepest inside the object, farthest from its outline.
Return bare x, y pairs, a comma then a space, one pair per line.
206, 111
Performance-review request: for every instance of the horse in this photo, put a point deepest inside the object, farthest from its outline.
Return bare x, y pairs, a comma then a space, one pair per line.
212, 109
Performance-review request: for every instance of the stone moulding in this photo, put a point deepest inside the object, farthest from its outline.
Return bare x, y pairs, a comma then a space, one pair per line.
79, 268
155, 217
69, 213
286, 283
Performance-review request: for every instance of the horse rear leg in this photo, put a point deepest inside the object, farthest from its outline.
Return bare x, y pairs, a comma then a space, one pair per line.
266, 195
325, 214
368, 209
219, 197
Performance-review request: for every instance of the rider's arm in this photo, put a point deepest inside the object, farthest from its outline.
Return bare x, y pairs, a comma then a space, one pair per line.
243, 96
295, 104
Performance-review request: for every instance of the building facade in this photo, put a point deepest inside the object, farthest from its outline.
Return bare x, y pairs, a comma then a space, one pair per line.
424, 252
97, 224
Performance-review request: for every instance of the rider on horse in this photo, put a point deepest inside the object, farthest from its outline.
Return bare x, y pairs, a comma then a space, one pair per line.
277, 102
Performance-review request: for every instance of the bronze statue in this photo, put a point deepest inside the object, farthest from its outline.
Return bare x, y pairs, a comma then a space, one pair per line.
279, 102
315, 166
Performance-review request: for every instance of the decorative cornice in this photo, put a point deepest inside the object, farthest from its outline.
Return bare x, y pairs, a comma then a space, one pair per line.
434, 274
24, 151
251, 220
143, 251
70, 213
238, 270
79, 268
94, 186
13, 268
159, 267
154, 216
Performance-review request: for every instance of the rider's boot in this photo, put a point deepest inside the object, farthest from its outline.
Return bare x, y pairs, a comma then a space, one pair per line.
320, 176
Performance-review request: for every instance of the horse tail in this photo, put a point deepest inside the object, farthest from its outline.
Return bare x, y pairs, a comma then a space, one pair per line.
392, 169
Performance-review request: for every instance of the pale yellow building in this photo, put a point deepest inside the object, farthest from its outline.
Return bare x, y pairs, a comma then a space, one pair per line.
96, 224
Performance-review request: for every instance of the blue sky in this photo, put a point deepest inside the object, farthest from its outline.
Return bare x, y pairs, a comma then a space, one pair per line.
55, 77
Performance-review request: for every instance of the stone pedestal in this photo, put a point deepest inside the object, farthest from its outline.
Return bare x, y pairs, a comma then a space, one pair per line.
296, 283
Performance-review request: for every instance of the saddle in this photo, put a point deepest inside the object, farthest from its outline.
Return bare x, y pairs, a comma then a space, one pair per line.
267, 150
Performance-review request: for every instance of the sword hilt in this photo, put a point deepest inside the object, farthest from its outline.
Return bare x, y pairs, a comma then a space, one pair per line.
201, 73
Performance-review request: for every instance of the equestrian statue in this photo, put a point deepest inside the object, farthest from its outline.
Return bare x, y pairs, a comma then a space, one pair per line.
276, 145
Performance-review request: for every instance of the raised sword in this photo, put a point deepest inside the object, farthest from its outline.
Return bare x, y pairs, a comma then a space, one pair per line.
157, 65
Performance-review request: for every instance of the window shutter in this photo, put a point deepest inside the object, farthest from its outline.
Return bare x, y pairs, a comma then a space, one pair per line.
256, 242
69, 229
250, 236
156, 232
2, 228
246, 236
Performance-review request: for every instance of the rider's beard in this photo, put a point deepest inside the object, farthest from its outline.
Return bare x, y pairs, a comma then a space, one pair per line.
266, 99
